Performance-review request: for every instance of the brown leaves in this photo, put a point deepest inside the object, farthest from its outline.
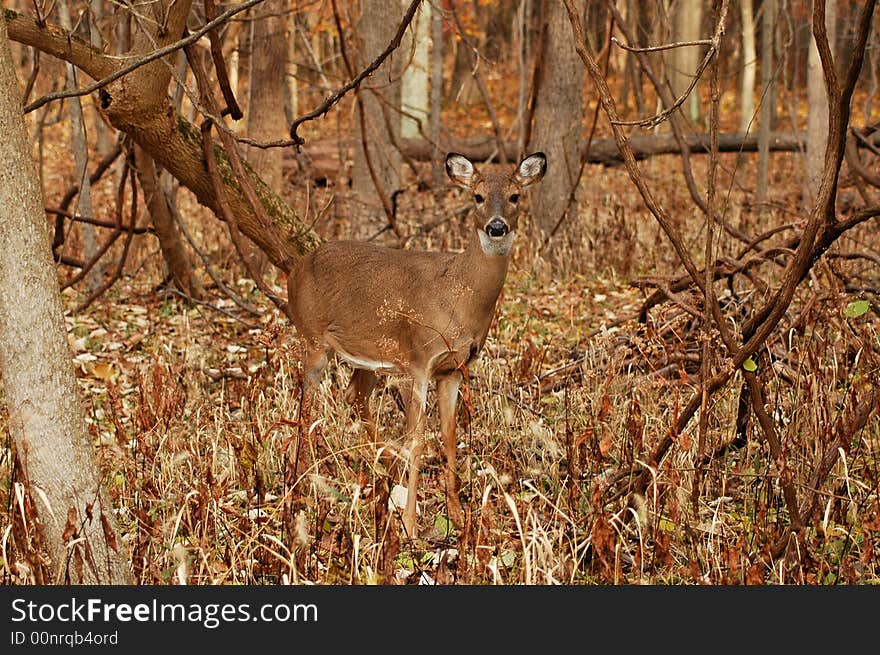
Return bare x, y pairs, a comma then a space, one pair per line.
70, 528
109, 533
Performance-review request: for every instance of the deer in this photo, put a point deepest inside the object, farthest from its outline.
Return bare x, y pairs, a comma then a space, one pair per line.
421, 314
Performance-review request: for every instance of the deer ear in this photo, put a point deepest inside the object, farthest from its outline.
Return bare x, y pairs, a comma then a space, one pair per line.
532, 169
459, 169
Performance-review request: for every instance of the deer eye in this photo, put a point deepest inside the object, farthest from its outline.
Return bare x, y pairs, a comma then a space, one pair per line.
479, 199
514, 198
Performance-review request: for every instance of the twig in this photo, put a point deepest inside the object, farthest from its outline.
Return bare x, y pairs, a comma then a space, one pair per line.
325, 106
657, 48
146, 59
32, 78
481, 86
125, 248
205, 303
145, 229
220, 65
120, 201
70, 194
386, 202
209, 269
216, 180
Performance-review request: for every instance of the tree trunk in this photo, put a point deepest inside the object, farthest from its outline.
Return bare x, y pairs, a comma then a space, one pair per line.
291, 70
749, 66
45, 418
381, 122
438, 168
606, 152
558, 118
414, 85
177, 262
688, 23
768, 101
463, 89
83, 206
266, 118
817, 112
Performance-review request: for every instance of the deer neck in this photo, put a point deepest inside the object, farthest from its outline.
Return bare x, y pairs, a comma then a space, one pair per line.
484, 272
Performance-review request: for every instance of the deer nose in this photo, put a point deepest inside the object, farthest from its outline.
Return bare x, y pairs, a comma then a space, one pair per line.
497, 228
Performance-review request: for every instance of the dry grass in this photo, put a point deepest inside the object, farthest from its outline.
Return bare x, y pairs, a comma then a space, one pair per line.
190, 412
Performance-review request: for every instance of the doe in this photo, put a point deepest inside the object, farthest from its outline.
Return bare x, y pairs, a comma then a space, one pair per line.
422, 314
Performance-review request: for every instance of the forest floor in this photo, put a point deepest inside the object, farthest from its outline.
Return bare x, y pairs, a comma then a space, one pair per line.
191, 405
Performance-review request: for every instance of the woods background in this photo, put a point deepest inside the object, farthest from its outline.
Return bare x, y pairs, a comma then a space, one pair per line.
680, 385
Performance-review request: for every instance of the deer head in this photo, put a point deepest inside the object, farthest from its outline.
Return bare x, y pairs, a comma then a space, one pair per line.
496, 197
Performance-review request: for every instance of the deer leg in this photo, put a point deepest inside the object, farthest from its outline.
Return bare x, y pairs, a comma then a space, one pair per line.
358, 396
415, 421
314, 361
447, 402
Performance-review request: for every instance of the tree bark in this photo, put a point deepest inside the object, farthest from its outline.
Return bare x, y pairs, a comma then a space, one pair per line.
687, 26
462, 89
45, 417
178, 264
558, 118
380, 102
438, 169
768, 100
83, 206
599, 151
414, 85
749, 66
266, 118
817, 110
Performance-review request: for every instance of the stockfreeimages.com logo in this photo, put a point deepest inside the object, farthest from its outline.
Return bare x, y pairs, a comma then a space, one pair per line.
209, 615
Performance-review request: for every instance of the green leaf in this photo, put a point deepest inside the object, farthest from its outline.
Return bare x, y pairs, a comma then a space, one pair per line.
667, 525
442, 525
750, 365
856, 308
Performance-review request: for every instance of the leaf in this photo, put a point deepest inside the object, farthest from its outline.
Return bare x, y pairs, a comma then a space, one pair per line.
70, 526
104, 371
750, 365
508, 558
605, 445
685, 440
666, 525
109, 533
856, 308
443, 525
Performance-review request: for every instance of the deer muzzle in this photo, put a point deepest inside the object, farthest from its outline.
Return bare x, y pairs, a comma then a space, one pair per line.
496, 228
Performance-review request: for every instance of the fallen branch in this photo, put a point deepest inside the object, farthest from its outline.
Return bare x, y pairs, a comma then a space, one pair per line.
596, 151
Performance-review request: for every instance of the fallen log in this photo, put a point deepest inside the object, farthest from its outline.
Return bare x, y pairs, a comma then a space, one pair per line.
324, 154
605, 152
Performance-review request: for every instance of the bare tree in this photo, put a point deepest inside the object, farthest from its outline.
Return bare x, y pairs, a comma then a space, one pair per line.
683, 61
558, 119
266, 118
180, 269
377, 162
744, 335
51, 438
414, 85
138, 105
768, 99
95, 275
438, 169
749, 66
